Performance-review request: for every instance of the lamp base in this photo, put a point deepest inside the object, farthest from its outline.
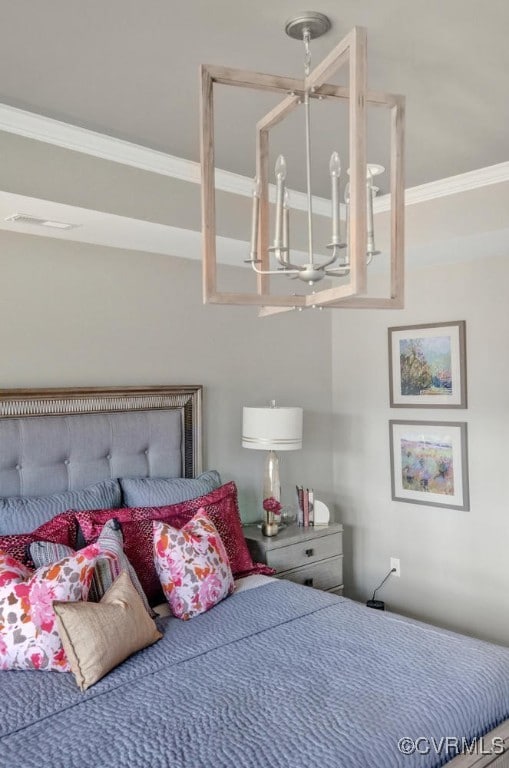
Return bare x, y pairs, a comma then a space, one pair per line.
271, 482
270, 529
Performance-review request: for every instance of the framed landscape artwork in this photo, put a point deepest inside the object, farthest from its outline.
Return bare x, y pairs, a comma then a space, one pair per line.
429, 463
427, 366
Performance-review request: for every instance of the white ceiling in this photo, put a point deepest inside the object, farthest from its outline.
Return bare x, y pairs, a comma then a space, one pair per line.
129, 71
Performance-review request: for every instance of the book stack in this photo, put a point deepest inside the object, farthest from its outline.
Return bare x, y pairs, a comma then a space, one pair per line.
306, 501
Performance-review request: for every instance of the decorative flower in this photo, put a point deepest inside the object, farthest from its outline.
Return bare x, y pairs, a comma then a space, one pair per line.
41, 598
201, 545
210, 590
178, 606
272, 505
174, 568
36, 659
60, 659
8, 576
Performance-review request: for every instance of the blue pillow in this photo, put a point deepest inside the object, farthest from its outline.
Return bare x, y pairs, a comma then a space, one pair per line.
161, 491
20, 514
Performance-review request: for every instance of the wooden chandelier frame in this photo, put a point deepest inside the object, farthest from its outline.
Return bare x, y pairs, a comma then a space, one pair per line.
353, 50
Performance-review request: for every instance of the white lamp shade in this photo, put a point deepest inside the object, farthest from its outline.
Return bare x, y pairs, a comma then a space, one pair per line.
272, 429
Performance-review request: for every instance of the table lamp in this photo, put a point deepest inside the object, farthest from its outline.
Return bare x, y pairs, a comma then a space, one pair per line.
272, 429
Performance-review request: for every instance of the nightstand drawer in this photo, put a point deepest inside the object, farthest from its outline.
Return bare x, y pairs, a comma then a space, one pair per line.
326, 574
305, 552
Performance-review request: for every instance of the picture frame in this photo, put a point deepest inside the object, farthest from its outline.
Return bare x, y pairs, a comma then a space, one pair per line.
429, 463
427, 365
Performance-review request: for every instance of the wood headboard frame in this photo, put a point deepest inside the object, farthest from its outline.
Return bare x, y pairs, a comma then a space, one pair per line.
16, 403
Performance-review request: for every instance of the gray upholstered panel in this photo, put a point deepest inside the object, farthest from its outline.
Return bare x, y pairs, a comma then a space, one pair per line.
44, 455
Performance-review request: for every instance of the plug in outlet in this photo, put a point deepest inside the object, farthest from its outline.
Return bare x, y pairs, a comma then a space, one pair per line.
395, 564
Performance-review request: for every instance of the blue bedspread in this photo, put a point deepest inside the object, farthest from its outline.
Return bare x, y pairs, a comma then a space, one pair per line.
281, 676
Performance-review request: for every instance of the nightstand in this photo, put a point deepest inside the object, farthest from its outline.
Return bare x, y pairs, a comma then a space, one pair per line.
309, 556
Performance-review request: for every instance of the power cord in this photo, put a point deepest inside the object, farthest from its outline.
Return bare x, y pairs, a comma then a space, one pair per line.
379, 605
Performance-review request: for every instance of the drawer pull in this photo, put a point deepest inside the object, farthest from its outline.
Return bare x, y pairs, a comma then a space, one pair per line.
308, 582
310, 552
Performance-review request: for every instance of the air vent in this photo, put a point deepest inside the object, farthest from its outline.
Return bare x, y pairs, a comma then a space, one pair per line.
25, 218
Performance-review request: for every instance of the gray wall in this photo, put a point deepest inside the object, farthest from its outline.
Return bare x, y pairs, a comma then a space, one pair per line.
453, 564
73, 314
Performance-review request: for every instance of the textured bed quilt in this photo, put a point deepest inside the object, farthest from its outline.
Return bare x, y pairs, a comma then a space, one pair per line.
281, 676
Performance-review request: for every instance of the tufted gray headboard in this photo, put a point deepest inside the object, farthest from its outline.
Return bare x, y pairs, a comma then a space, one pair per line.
54, 440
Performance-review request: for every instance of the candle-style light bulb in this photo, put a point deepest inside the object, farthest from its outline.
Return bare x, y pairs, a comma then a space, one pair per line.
335, 165
335, 172
280, 169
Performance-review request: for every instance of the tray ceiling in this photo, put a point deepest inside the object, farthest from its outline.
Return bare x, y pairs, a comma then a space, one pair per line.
130, 70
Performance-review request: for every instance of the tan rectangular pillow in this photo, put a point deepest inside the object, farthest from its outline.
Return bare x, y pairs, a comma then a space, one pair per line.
99, 636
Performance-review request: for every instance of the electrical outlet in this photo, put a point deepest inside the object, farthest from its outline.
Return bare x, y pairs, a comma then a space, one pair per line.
395, 564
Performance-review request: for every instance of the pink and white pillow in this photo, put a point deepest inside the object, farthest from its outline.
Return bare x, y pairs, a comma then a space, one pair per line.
192, 565
220, 506
28, 635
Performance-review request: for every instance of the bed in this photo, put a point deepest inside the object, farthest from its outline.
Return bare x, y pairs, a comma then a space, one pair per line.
278, 674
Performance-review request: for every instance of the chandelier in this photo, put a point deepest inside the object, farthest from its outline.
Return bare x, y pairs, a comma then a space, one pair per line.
313, 271
352, 243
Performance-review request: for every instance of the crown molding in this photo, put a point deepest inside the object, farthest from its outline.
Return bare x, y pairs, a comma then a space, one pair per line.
67, 136
113, 231
72, 137
452, 185
77, 139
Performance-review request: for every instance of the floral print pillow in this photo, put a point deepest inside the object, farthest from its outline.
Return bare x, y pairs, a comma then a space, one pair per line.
28, 635
192, 565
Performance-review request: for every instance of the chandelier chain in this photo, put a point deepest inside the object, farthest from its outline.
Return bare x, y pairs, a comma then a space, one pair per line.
306, 36
307, 108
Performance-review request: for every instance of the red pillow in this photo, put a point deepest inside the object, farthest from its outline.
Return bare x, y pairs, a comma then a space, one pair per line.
61, 529
220, 506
